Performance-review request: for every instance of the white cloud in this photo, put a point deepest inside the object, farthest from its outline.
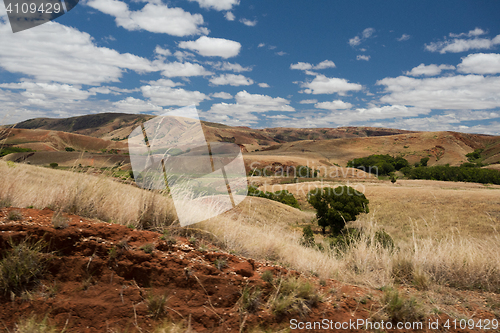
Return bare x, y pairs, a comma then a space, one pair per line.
326, 85
167, 96
325, 64
281, 53
184, 55
227, 66
165, 83
304, 66
222, 94
403, 38
184, 69
428, 70
363, 57
480, 63
248, 103
134, 105
44, 93
229, 16
471, 92
158, 18
248, 23
368, 32
356, 40
261, 45
471, 41
161, 51
263, 85
213, 47
472, 33
53, 52
308, 101
301, 66
333, 105
218, 4
231, 79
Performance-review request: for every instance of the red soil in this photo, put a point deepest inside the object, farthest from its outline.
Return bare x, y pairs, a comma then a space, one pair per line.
98, 291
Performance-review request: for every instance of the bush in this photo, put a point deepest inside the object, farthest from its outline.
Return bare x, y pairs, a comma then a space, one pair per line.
22, 266
337, 206
423, 161
307, 237
294, 295
379, 164
156, 305
475, 155
283, 196
250, 299
457, 174
34, 325
53, 165
401, 309
10, 150
69, 149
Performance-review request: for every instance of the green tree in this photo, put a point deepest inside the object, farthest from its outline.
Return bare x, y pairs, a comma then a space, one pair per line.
423, 161
337, 206
53, 165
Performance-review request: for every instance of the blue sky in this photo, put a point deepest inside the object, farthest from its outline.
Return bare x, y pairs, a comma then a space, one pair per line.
417, 65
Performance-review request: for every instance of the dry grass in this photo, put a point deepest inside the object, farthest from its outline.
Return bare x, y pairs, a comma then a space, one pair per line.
262, 229
85, 195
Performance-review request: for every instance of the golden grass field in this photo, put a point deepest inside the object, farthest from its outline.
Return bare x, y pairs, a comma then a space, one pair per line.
445, 233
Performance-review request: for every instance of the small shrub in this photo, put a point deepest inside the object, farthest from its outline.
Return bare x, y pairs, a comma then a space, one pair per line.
402, 270
307, 237
59, 221
112, 253
250, 300
22, 266
148, 248
401, 309
421, 280
384, 239
5, 203
69, 149
34, 325
53, 165
267, 276
123, 244
156, 305
220, 263
15, 215
294, 295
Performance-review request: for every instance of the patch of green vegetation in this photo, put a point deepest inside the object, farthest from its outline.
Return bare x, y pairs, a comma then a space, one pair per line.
283, 196
10, 150
22, 266
456, 174
337, 206
293, 295
379, 164
401, 309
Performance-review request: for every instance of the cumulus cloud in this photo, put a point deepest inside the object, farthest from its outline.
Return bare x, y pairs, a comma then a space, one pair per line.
326, 85
222, 95
471, 92
428, 70
213, 47
356, 40
53, 52
161, 51
480, 63
227, 66
263, 85
231, 79
183, 69
463, 42
403, 38
363, 57
217, 4
158, 18
248, 103
304, 66
261, 45
134, 105
333, 105
167, 96
229, 16
308, 101
248, 23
